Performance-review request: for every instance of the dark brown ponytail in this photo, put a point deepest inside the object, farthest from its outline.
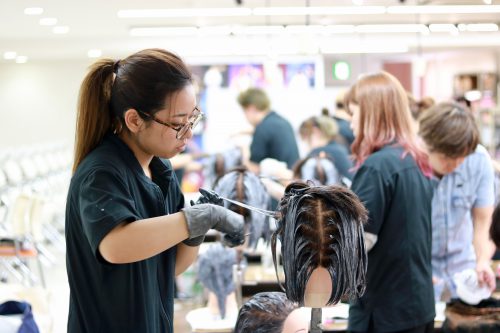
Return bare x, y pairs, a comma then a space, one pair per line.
94, 116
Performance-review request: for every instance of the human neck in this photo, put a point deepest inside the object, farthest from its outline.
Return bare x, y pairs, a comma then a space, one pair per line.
260, 116
320, 142
142, 157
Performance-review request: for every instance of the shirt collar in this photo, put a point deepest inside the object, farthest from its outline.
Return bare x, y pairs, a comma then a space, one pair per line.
160, 169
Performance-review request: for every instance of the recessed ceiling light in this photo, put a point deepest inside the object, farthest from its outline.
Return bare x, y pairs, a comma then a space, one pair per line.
482, 27
33, 11
332, 10
60, 29
9, 55
445, 9
346, 49
163, 31
94, 53
21, 59
443, 27
391, 28
184, 12
48, 21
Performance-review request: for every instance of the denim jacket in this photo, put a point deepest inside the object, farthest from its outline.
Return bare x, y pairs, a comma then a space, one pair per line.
469, 186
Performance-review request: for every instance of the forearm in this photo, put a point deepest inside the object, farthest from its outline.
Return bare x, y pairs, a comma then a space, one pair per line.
186, 255
139, 240
275, 190
253, 167
483, 246
370, 240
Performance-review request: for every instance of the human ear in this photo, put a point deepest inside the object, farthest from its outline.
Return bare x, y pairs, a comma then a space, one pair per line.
133, 121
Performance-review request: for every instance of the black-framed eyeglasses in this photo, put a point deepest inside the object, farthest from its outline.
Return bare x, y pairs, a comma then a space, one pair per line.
180, 129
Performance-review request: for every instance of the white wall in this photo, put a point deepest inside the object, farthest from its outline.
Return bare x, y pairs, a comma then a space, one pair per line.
38, 102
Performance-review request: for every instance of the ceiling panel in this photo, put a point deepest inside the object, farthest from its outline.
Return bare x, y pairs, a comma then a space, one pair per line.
95, 24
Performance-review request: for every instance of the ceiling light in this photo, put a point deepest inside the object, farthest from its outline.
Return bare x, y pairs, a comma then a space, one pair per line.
336, 10
9, 55
48, 21
329, 49
445, 27
357, 2
61, 29
340, 29
448, 9
320, 29
305, 29
94, 53
482, 27
33, 11
390, 28
184, 12
21, 59
163, 31
222, 30
259, 30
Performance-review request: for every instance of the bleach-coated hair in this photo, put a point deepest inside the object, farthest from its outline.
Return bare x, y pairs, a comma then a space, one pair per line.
321, 226
217, 165
319, 170
243, 186
215, 272
264, 313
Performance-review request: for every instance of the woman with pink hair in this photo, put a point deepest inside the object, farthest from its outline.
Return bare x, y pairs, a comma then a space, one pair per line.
393, 181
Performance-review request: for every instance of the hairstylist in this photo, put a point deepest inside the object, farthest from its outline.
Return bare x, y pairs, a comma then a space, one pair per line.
126, 239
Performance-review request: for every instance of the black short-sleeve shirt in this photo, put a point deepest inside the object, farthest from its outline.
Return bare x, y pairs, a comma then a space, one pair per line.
108, 188
399, 293
340, 156
274, 138
345, 130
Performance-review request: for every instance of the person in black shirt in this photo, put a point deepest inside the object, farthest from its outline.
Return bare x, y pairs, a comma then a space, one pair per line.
393, 181
343, 119
273, 136
126, 239
320, 134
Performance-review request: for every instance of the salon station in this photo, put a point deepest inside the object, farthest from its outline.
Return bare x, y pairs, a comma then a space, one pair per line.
344, 153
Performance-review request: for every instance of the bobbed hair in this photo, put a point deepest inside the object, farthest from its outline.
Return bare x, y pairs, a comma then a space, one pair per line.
321, 226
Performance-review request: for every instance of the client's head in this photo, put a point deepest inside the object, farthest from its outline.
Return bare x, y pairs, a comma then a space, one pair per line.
270, 312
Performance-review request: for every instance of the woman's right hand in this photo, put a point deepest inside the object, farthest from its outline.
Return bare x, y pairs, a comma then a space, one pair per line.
200, 218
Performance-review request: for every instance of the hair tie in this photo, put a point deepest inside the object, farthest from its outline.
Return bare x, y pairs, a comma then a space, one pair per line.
116, 64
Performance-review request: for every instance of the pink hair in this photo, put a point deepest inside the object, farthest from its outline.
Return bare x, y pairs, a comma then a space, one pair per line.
384, 118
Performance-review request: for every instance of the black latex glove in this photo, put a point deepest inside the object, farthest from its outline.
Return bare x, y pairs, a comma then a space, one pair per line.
208, 196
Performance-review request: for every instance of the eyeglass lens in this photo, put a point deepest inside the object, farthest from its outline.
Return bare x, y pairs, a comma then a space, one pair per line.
189, 125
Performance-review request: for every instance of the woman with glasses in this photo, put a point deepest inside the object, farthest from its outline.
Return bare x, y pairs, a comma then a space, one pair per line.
127, 232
